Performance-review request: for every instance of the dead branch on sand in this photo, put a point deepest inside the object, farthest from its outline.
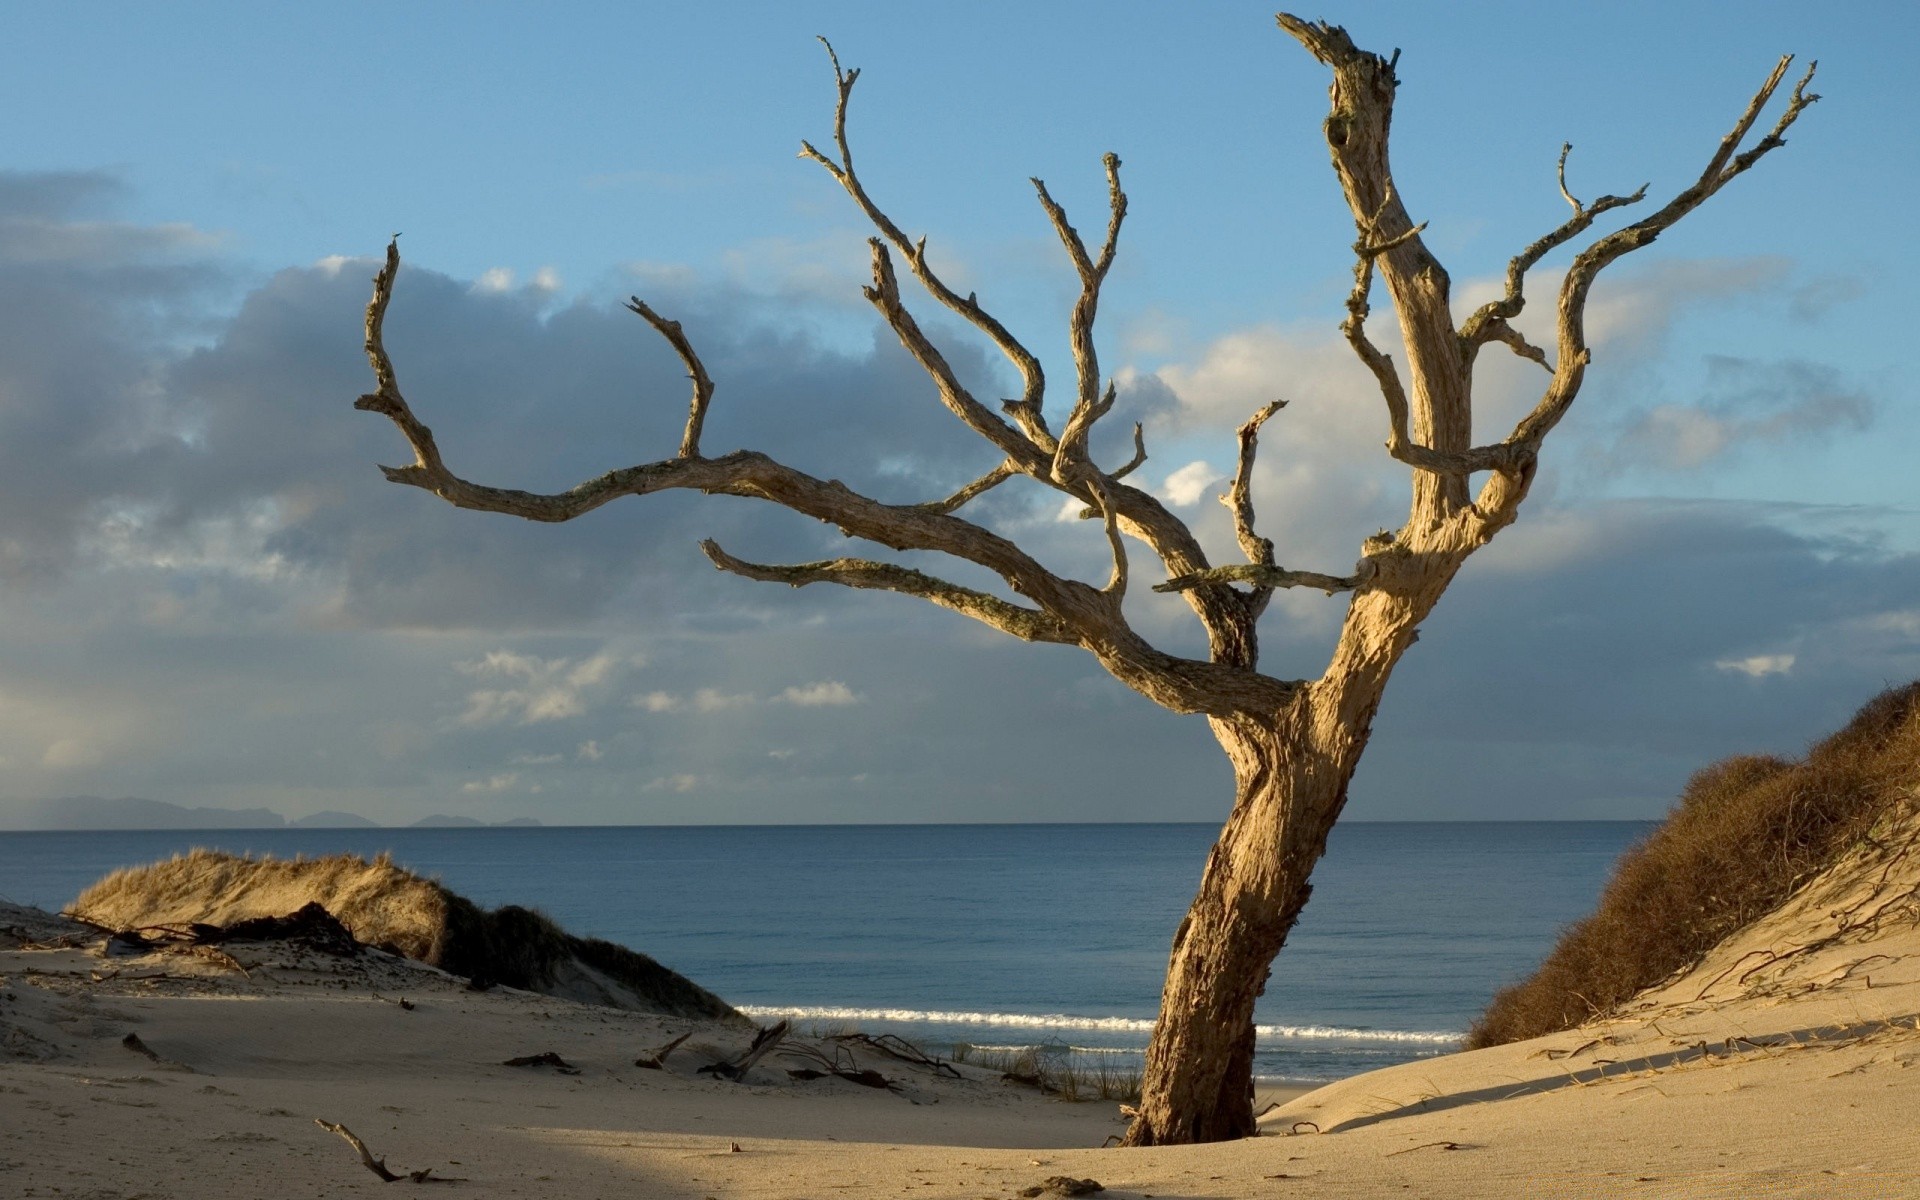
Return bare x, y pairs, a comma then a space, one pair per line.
763, 1043
379, 1165
657, 1060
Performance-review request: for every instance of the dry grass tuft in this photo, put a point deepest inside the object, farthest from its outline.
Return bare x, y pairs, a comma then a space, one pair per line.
1057, 1071
1746, 834
387, 906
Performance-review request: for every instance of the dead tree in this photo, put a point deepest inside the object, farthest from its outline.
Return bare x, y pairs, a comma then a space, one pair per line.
1293, 743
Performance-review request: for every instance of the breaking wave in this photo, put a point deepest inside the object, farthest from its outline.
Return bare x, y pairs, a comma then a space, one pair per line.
1326, 1033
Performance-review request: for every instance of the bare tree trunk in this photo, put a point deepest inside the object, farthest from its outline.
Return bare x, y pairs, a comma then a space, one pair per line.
1198, 1085
1290, 780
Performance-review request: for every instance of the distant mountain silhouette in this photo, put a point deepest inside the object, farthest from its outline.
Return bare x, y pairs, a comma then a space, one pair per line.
130, 812
333, 819
98, 812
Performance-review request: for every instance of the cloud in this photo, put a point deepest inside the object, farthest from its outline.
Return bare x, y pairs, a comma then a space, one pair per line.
1184, 487
493, 783
671, 783
549, 689
828, 693
1758, 666
1745, 403
589, 751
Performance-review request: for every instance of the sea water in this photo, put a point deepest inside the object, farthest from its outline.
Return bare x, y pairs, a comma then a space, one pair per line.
990, 935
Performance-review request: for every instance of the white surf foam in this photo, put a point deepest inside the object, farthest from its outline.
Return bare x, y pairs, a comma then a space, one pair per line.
914, 1016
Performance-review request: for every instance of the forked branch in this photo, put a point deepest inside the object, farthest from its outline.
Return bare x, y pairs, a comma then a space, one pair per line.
1026, 410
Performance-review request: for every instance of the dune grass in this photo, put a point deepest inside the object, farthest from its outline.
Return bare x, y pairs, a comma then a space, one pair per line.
1056, 1070
1745, 835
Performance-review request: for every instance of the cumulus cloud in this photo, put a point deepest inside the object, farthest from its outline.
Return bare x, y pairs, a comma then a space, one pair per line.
193, 514
1758, 666
493, 783
827, 693
1184, 487
540, 689
671, 783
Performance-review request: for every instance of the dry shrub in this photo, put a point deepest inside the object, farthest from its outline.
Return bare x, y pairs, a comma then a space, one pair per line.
1746, 834
387, 906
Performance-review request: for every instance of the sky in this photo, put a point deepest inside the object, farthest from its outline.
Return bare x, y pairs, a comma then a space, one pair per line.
209, 596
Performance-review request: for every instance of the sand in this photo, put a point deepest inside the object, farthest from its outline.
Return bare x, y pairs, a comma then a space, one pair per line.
1781, 1066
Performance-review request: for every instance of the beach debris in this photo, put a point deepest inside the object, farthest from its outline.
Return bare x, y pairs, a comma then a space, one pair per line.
310, 924
898, 1047
867, 1077
546, 1058
657, 1060
1063, 1185
734, 1148
763, 1043
379, 1165
1433, 1146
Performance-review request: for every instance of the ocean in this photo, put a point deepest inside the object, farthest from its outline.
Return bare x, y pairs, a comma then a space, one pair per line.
990, 935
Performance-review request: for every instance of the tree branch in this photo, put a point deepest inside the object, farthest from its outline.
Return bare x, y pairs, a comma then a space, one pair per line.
1024, 623
696, 371
992, 479
1070, 458
1268, 576
884, 295
1026, 410
1139, 454
1573, 353
1487, 321
1239, 500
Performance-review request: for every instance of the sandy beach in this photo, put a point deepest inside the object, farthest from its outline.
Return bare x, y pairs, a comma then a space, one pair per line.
1780, 1066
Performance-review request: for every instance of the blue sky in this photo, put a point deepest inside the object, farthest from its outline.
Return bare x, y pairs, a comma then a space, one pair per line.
211, 597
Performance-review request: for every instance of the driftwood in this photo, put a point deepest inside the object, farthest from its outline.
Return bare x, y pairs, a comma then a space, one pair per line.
379, 1165
657, 1060
900, 1048
841, 1064
763, 1043
545, 1059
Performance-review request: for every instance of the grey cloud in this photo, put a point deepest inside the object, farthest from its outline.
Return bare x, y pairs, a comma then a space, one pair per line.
1745, 403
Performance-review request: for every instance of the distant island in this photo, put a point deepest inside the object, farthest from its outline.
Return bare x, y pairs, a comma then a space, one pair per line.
100, 813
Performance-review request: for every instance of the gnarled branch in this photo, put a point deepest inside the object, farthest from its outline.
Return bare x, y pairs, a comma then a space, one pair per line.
1239, 500
1090, 404
986, 483
1268, 576
1026, 410
696, 371
1026, 624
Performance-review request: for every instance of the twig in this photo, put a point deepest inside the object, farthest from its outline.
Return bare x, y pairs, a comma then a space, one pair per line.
763, 1043
657, 1060
379, 1165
